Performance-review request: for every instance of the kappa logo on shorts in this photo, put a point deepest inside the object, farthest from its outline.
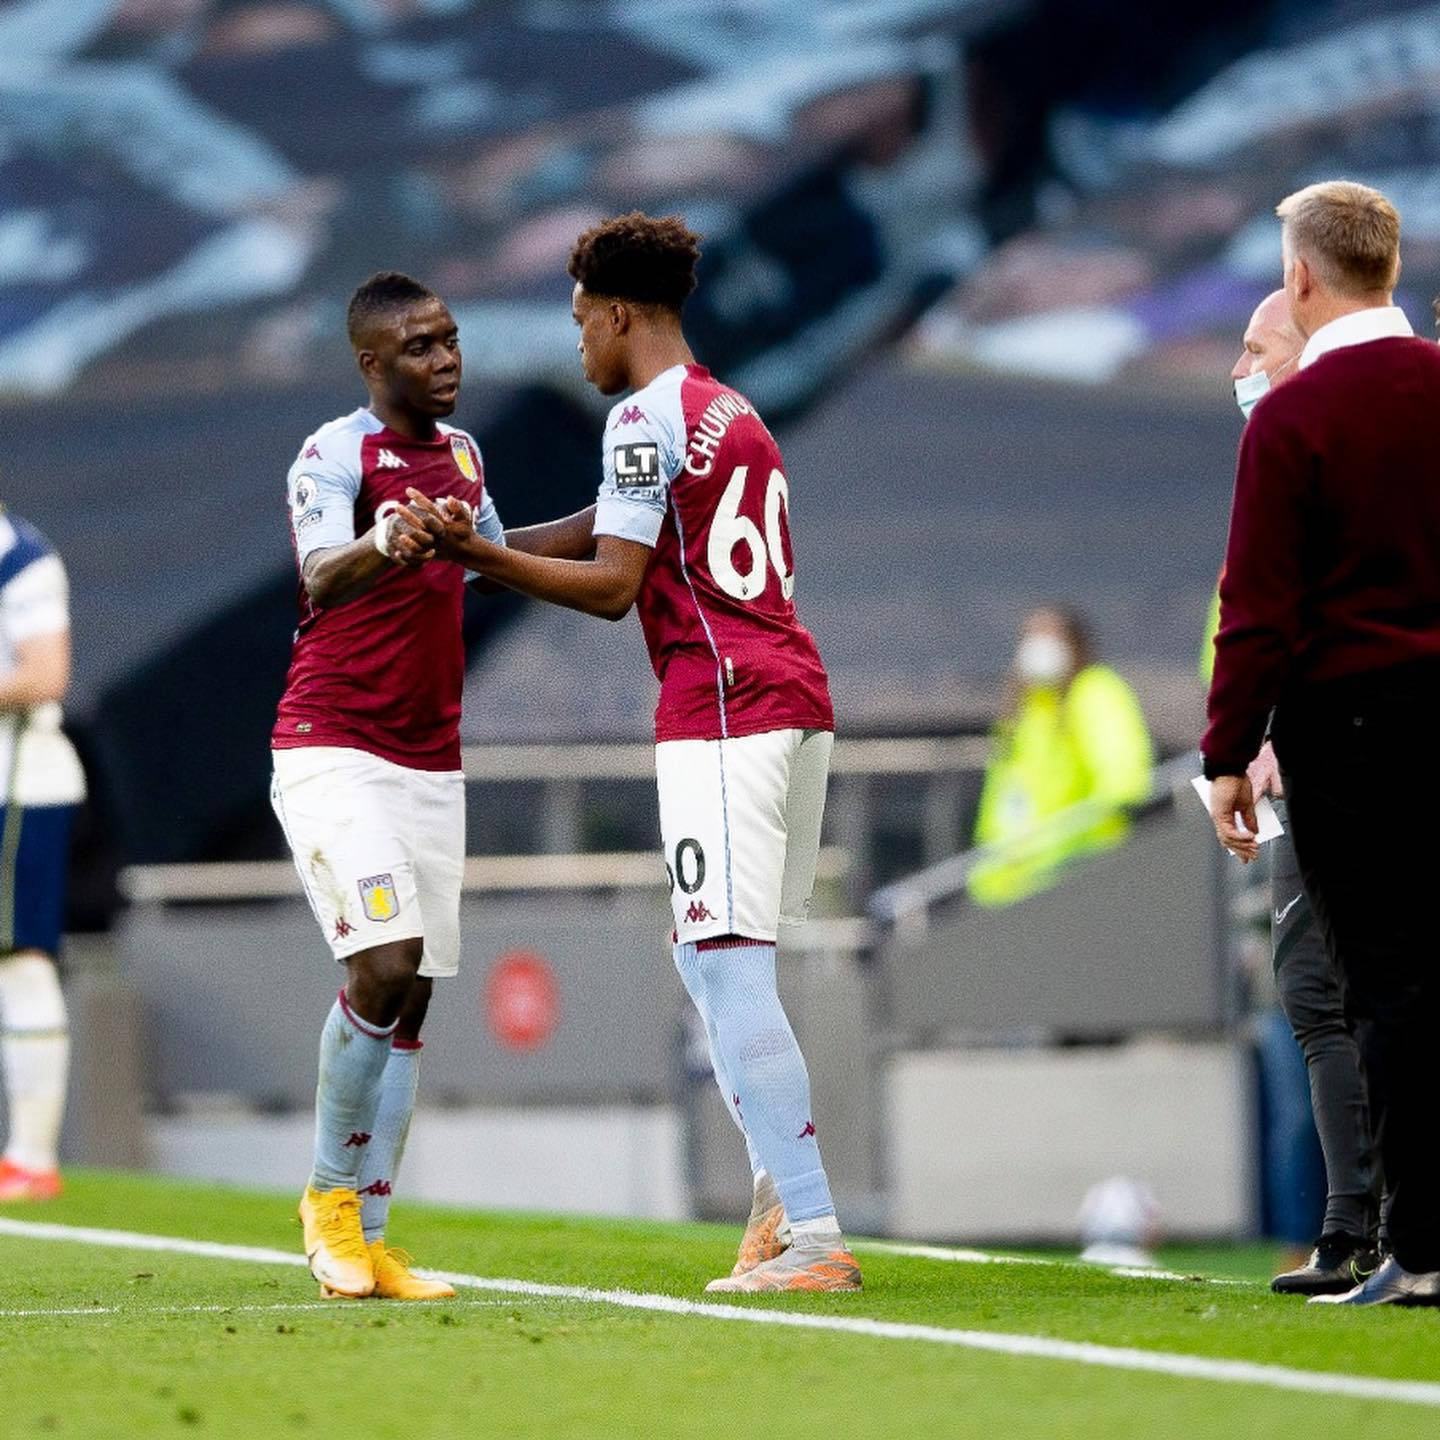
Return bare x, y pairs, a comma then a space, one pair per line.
698, 912
636, 466
343, 928
378, 898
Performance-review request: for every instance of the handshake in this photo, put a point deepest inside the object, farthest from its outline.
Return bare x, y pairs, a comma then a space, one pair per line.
425, 529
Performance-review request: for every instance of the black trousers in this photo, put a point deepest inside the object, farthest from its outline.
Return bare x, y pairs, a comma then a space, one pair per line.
1358, 758
1312, 995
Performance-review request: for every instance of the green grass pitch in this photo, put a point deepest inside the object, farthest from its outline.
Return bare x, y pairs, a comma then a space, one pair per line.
172, 1344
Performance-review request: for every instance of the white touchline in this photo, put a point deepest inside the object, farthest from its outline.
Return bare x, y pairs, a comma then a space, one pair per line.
962, 1256
332, 1307
1157, 1362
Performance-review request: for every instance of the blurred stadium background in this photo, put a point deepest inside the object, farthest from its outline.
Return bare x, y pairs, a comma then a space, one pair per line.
984, 264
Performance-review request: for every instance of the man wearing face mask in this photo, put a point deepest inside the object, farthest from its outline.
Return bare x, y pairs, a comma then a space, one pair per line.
1070, 751
1306, 979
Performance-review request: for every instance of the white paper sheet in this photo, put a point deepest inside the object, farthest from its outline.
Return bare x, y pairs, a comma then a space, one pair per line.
1268, 820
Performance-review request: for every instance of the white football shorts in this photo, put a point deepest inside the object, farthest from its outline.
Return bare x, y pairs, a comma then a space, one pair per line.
740, 823
380, 849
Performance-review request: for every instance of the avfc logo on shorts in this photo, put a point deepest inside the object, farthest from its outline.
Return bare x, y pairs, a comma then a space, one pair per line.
465, 458
378, 898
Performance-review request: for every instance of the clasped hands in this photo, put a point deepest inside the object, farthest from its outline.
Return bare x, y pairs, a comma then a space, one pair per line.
425, 530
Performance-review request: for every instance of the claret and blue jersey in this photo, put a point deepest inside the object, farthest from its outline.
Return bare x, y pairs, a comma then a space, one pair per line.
691, 470
384, 672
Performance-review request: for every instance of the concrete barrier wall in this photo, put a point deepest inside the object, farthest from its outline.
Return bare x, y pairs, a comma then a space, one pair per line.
1005, 1143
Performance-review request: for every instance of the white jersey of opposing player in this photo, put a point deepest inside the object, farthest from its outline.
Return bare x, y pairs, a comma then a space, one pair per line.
38, 765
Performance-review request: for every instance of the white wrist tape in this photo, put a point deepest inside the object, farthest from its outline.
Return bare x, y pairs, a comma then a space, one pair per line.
381, 535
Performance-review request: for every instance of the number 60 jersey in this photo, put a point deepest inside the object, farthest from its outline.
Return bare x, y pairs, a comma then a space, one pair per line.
691, 470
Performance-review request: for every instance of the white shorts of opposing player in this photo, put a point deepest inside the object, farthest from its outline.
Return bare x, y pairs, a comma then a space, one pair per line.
740, 823
380, 849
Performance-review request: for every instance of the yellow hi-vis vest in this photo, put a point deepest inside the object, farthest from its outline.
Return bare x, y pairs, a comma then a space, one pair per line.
1087, 747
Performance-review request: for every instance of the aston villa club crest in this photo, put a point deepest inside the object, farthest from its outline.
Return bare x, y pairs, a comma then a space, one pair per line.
465, 458
378, 898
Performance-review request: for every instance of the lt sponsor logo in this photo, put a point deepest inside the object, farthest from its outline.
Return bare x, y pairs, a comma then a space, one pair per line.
637, 467
378, 898
389, 460
466, 460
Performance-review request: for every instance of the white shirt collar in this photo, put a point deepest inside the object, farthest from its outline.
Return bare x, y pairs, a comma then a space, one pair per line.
1381, 322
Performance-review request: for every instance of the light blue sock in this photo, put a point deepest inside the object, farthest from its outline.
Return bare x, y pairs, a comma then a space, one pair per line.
731, 1098
687, 964
758, 1056
353, 1054
398, 1082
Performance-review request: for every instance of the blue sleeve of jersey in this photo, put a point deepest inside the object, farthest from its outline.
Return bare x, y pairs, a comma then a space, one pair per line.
487, 527
322, 493
641, 459
487, 522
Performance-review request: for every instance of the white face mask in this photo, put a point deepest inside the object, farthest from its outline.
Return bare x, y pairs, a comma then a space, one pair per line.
1250, 390
1042, 659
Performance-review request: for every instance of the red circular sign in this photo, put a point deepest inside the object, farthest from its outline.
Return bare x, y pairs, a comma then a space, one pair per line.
522, 1001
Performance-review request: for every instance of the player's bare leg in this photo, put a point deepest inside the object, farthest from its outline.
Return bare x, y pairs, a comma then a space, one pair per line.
355, 1046
398, 1082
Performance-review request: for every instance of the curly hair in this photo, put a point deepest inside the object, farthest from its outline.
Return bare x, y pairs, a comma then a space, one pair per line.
638, 257
384, 291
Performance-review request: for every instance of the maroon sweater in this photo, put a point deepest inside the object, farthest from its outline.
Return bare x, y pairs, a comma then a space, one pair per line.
1333, 564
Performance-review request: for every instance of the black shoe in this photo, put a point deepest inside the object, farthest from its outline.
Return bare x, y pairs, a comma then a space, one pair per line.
1339, 1262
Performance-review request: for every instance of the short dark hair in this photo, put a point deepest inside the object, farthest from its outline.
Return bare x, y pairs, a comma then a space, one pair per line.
383, 291
638, 257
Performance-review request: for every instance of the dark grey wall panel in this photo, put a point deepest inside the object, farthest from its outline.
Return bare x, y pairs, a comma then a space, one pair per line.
1129, 940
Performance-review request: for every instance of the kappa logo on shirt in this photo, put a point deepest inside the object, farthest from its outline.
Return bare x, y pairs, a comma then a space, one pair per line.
389, 460
630, 415
637, 467
312, 452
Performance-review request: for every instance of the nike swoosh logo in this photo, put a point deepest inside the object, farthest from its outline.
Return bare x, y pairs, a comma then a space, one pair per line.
1281, 914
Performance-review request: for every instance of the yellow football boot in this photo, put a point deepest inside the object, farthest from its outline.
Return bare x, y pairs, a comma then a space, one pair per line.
393, 1280
335, 1243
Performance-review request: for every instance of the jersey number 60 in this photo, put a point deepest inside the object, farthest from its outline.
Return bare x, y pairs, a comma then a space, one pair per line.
729, 527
